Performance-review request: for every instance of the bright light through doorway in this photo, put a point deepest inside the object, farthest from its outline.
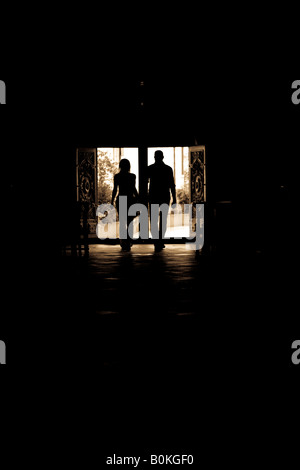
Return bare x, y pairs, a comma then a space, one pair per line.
176, 157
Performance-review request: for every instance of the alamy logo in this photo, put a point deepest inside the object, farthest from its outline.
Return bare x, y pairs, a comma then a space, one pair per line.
191, 217
2, 353
2, 92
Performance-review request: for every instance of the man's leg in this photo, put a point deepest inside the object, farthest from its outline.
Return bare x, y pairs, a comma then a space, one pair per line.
163, 221
154, 222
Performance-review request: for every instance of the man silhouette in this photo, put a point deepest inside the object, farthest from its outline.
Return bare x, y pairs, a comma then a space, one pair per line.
161, 179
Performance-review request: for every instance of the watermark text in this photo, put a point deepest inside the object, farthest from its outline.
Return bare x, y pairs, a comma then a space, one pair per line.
2, 352
192, 217
2, 92
296, 354
296, 92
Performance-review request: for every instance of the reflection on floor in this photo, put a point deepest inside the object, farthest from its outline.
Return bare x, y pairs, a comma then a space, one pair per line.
171, 307
146, 282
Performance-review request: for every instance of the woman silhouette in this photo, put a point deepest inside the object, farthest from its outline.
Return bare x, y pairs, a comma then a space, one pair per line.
124, 184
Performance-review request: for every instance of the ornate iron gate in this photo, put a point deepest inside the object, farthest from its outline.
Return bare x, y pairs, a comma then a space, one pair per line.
197, 175
197, 184
86, 181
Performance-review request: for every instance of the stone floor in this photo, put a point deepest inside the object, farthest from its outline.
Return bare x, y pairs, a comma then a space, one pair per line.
172, 348
172, 308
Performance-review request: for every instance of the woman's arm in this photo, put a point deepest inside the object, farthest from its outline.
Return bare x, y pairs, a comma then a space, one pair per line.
114, 192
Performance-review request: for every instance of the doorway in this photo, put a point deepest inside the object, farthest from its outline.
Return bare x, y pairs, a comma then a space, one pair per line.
96, 167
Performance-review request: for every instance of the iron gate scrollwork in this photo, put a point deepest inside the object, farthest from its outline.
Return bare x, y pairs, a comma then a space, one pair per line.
198, 177
197, 182
86, 174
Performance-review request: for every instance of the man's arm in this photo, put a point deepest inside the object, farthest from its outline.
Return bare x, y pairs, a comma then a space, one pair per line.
135, 190
172, 187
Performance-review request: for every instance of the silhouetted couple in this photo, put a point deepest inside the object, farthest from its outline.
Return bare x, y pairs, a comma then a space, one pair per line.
161, 187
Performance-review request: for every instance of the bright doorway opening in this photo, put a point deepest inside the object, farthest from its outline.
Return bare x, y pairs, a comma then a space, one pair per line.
177, 158
95, 170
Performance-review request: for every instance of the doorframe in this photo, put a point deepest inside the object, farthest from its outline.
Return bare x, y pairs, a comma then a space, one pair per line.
143, 183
